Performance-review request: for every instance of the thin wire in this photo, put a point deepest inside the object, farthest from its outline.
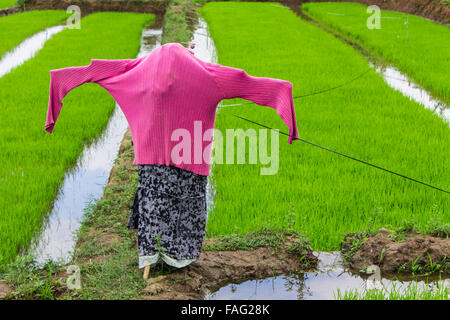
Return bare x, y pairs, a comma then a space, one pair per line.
341, 154
312, 93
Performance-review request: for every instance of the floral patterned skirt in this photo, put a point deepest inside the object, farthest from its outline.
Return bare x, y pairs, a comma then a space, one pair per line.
169, 211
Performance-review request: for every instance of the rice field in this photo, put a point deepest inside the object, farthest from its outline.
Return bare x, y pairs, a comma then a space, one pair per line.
316, 192
7, 3
419, 48
17, 27
33, 162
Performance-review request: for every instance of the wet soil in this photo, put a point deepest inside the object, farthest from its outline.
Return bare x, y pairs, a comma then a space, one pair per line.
214, 269
397, 253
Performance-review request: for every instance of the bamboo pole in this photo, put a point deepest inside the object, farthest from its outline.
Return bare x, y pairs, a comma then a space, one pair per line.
146, 272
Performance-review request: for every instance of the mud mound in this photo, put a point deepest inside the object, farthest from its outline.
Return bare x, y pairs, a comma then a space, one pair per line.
398, 253
215, 269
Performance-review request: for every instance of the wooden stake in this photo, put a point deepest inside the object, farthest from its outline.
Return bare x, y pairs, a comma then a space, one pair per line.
146, 272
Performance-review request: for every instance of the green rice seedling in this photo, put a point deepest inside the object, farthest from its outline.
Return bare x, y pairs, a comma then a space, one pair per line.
330, 195
32, 161
17, 27
413, 291
417, 46
30, 279
429, 266
7, 3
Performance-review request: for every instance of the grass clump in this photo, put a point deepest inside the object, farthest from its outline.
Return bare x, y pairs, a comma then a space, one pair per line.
31, 280
269, 236
179, 21
249, 241
352, 242
419, 267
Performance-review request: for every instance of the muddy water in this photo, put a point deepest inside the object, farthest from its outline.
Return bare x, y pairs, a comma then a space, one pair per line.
322, 284
87, 181
26, 50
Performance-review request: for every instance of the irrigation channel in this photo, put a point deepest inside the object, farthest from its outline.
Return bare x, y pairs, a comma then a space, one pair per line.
26, 50
86, 183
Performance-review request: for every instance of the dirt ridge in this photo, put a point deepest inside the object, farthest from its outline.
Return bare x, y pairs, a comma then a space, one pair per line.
430, 9
396, 253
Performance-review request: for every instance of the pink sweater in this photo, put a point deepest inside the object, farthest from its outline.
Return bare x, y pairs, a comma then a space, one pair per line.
169, 89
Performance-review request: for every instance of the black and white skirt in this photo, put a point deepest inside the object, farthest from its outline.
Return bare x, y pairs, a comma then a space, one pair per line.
169, 211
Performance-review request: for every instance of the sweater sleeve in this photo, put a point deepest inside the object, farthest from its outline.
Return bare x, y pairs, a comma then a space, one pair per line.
65, 79
274, 93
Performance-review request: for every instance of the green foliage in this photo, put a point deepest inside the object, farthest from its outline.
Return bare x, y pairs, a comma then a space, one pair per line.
331, 195
32, 280
21, 3
435, 225
179, 21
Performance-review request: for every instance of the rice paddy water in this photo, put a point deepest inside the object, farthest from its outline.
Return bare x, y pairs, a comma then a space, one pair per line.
402, 83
